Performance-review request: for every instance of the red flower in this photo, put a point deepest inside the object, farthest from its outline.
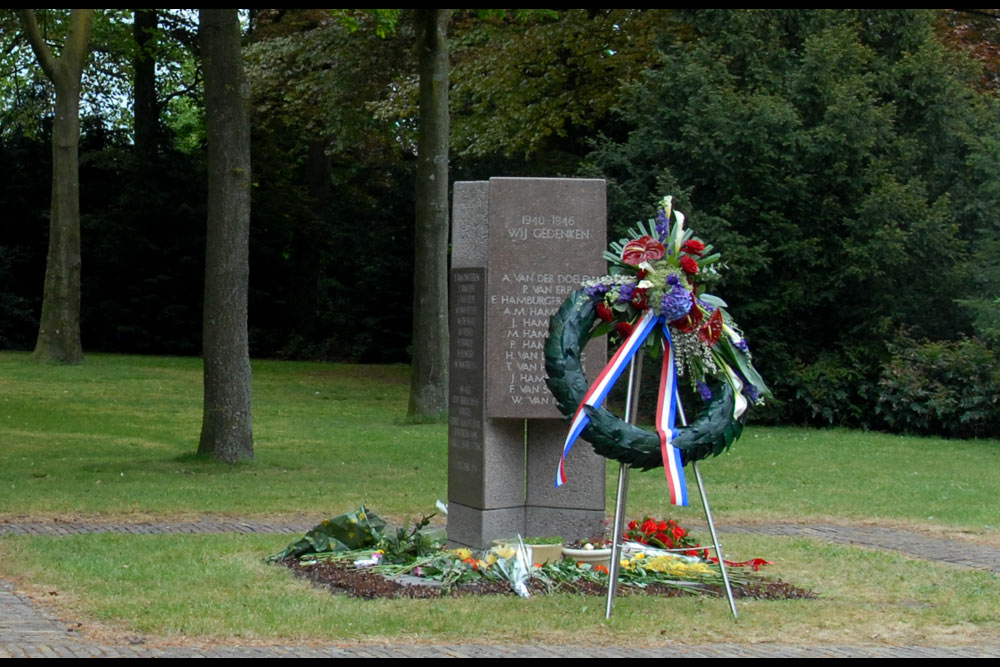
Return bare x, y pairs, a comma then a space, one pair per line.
601, 568
688, 265
604, 312
661, 534
639, 298
712, 329
642, 249
755, 563
694, 247
624, 329
689, 323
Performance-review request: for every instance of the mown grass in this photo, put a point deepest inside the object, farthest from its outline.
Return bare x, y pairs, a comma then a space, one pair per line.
218, 588
117, 436
114, 438
796, 474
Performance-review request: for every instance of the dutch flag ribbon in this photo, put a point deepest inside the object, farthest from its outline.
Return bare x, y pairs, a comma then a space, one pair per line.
666, 406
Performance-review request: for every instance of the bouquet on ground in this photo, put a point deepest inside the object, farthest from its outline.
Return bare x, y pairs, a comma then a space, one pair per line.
667, 535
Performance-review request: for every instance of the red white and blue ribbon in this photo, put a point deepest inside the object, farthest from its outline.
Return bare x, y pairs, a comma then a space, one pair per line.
666, 410
666, 416
602, 385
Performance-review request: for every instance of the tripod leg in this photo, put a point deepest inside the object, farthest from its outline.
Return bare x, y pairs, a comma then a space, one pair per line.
616, 544
715, 540
631, 410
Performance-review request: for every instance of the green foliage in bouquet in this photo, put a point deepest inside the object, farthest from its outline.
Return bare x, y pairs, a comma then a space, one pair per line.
356, 529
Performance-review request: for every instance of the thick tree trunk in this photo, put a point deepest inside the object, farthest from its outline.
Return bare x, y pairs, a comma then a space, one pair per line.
59, 329
145, 113
227, 424
429, 375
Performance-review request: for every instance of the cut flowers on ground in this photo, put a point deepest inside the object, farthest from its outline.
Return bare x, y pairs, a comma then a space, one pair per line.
413, 562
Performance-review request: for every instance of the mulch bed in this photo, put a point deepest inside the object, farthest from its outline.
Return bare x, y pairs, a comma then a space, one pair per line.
345, 579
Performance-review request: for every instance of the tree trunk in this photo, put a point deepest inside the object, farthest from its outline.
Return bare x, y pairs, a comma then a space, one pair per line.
145, 112
59, 329
227, 424
429, 375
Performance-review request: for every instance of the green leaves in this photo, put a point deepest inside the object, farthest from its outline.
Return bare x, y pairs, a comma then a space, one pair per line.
941, 388
838, 159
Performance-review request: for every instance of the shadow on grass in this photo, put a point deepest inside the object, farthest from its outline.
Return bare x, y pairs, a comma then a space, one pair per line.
209, 461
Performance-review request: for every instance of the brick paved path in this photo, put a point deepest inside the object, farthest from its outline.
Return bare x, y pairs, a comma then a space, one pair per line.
27, 630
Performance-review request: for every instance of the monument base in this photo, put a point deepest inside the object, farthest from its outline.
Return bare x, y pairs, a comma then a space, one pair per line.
476, 528
570, 524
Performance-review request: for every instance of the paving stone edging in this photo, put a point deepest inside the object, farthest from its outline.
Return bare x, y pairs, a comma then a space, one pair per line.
200, 527
938, 549
27, 630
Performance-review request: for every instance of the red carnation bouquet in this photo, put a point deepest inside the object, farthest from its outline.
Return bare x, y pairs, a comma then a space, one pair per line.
664, 535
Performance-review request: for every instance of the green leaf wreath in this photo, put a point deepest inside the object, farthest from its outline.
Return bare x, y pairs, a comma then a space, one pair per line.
662, 267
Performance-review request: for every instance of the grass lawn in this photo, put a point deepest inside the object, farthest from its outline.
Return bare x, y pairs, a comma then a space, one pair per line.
114, 438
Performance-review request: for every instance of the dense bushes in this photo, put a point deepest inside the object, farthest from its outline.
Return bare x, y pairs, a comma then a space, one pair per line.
843, 162
942, 388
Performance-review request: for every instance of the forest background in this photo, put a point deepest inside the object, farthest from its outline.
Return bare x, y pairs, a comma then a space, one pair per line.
846, 163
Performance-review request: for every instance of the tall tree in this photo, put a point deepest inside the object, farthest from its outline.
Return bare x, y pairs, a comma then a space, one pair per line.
429, 375
146, 113
59, 330
227, 424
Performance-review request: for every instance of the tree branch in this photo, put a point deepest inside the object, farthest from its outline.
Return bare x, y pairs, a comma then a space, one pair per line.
81, 21
38, 45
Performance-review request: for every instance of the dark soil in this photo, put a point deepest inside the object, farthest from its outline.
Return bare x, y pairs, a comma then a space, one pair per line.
345, 579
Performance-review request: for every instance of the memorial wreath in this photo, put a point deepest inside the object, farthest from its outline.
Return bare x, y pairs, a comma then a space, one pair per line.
654, 298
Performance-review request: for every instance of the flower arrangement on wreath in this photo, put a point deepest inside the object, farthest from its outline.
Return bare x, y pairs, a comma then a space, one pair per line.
664, 267
655, 297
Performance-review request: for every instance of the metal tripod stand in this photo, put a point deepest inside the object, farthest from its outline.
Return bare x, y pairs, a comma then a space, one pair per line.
631, 410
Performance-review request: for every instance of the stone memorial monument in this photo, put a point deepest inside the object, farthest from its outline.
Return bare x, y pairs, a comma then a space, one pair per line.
520, 246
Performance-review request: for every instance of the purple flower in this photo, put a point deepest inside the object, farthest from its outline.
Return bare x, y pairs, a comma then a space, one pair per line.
751, 392
662, 225
742, 346
676, 303
672, 279
705, 391
625, 293
595, 290
708, 309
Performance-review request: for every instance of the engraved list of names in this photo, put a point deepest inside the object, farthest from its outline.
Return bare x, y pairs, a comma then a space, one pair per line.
543, 243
